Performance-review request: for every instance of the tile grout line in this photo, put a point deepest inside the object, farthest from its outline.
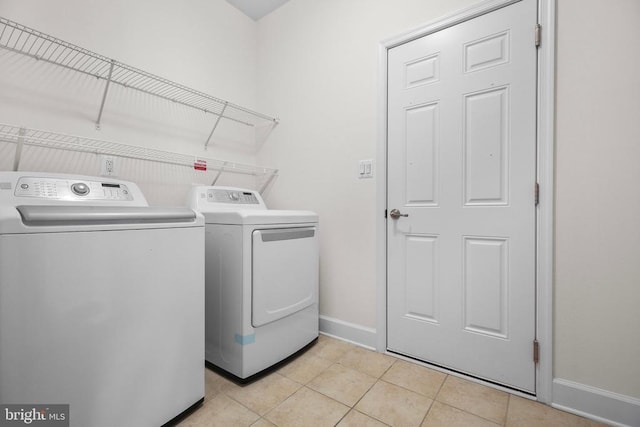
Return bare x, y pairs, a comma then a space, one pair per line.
278, 405
302, 385
351, 407
377, 380
435, 398
471, 413
241, 404
270, 410
506, 415
433, 401
305, 385
440, 388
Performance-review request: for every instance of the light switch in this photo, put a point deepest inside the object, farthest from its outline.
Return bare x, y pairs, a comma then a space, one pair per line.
365, 169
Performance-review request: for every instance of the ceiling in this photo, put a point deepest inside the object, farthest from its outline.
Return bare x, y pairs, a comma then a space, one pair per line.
256, 9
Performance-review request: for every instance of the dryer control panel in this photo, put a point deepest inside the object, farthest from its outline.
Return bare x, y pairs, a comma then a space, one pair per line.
207, 198
70, 189
238, 197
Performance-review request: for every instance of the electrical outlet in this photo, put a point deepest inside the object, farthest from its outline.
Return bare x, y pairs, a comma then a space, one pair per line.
108, 166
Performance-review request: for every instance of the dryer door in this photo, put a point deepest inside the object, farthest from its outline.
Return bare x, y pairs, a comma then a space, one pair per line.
285, 272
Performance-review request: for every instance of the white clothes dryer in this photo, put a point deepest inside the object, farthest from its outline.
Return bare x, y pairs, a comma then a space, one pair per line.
101, 300
261, 274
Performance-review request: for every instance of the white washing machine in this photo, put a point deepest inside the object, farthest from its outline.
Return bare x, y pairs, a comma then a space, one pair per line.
262, 273
101, 300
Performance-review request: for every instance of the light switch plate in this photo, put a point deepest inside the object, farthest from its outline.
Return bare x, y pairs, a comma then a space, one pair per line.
365, 168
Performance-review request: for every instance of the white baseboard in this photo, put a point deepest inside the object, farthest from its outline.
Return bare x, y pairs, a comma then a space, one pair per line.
360, 335
600, 405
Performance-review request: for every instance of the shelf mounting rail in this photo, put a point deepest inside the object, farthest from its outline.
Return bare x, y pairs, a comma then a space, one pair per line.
22, 136
18, 38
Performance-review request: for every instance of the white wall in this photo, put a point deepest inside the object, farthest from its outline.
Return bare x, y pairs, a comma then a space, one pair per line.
207, 45
597, 283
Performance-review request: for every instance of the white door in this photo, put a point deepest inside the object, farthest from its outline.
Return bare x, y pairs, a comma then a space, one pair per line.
462, 166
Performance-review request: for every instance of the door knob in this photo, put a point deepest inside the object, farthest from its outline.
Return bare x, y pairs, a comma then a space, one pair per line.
395, 214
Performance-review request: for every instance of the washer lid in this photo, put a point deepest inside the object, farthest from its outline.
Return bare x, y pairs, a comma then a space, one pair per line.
267, 216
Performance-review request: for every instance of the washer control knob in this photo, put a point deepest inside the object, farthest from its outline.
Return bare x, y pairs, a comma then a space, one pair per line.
234, 196
80, 188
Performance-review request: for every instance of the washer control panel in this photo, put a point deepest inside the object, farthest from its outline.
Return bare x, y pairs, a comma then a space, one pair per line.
238, 197
64, 189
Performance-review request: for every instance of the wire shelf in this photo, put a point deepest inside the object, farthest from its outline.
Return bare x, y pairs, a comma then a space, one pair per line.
40, 138
43, 47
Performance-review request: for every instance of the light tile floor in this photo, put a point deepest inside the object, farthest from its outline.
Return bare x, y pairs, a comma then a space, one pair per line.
335, 383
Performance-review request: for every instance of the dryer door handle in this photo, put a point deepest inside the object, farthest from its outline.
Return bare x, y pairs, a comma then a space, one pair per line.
286, 234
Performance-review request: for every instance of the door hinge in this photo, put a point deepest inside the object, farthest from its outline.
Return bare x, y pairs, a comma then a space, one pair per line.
538, 32
536, 352
537, 194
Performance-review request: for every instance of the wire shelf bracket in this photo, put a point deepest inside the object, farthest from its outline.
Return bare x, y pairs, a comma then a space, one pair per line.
206, 144
22, 136
19, 145
21, 39
104, 96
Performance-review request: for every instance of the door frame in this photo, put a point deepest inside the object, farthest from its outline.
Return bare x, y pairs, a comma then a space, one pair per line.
545, 176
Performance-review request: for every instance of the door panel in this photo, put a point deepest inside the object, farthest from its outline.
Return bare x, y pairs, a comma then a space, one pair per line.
486, 156
462, 165
484, 284
422, 154
421, 295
